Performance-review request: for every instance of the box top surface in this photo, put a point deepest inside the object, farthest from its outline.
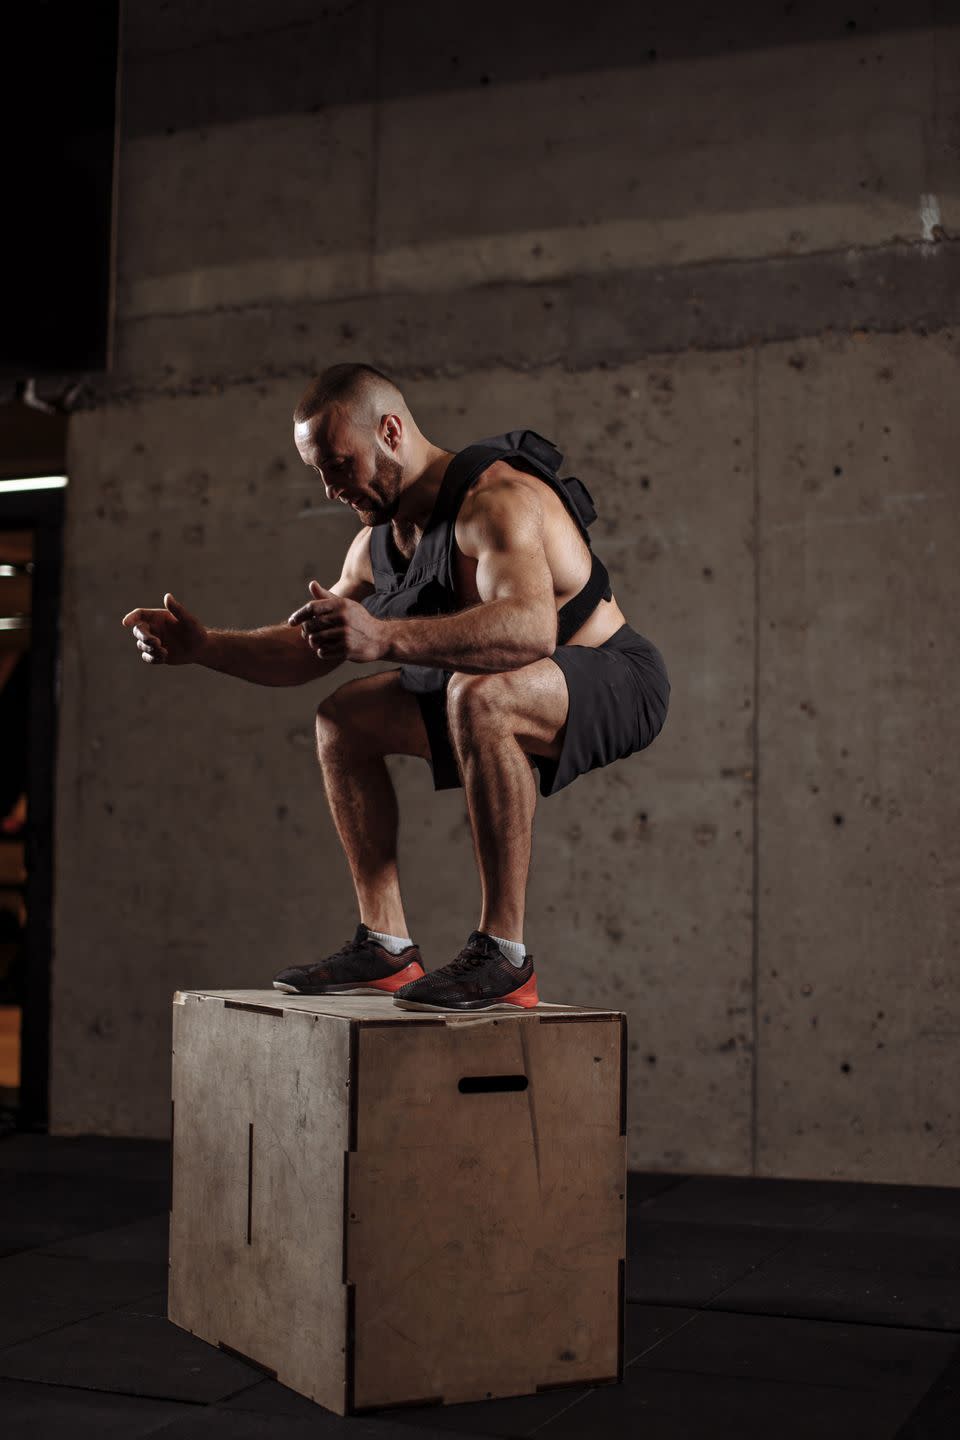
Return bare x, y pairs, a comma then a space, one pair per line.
380, 1008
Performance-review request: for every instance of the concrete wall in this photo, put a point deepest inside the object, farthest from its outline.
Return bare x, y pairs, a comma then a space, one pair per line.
712, 259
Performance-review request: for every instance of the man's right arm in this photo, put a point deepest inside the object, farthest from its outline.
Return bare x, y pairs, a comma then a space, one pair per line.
278, 654
271, 655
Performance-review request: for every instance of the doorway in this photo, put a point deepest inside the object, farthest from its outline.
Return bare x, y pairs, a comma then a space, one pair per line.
30, 561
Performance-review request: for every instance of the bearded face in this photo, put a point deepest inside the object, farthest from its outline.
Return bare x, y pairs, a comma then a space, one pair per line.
377, 501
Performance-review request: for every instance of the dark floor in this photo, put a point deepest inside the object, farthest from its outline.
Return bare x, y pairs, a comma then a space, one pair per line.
788, 1310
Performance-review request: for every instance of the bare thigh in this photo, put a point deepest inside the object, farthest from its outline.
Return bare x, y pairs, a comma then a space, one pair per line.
532, 700
375, 712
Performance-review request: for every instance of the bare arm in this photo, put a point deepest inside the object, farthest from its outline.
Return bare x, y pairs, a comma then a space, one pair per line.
270, 655
501, 525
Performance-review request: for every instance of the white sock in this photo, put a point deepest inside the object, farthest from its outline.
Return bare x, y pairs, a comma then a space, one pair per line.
515, 950
393, 943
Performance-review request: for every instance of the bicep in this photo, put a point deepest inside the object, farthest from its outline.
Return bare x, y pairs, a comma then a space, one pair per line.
503, 530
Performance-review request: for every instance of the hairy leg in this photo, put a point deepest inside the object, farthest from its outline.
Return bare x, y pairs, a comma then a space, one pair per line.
359, 724
496, 721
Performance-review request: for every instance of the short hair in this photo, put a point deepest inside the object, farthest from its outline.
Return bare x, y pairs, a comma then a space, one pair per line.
354, 385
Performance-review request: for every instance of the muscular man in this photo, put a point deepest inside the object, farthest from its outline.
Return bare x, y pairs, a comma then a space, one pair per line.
464, 573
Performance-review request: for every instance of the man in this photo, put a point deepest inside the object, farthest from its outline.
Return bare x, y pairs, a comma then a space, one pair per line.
471, 566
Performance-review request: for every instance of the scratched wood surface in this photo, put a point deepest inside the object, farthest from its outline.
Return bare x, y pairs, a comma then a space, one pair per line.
383, 1212
486, 1228
261, 1115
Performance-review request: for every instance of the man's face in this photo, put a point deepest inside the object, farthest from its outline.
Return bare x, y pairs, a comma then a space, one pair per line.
355, 469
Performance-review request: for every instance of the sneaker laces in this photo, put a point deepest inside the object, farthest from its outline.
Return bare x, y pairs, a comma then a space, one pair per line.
468, 959
349, 948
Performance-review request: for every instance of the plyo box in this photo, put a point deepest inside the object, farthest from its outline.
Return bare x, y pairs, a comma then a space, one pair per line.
382, 1206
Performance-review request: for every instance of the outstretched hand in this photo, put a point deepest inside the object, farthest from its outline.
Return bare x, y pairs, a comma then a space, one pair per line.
171, 636
336, 628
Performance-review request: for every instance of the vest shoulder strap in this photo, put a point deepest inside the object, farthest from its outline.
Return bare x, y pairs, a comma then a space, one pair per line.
582, 605
528, 450
384, 571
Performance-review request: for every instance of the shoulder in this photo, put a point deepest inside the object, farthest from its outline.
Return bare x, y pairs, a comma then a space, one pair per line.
501, 489
503, 503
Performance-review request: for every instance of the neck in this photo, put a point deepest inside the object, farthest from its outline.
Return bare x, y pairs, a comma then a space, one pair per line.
420, 493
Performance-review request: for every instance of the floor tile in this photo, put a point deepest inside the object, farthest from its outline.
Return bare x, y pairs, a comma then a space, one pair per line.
215, 1422
870, 1277
41, 1292
516, 1415
679, 1264
94, 1155
937, 1416
805, 1352
52, 1412
665, 1405
736, 1200
154, 1305
147, 1239
269, 1397
646, 1326
900, 1210
643, 1186
130, 1355
43, 1208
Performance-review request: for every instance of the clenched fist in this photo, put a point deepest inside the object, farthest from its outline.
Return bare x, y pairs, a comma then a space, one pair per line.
339, 629
171, 636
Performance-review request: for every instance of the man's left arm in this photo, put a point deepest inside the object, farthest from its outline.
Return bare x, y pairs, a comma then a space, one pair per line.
515, 623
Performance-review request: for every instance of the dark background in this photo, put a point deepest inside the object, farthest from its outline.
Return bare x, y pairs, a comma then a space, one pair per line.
58, 104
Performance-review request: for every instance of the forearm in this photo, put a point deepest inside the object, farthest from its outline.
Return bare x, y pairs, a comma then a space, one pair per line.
484, 638
272, 655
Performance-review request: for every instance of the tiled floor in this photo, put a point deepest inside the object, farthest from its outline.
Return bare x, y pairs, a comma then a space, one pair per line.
755, 1308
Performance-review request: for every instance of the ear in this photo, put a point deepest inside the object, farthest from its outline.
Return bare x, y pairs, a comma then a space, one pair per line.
392, 431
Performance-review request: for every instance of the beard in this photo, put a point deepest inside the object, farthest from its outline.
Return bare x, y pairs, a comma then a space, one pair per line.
387, 484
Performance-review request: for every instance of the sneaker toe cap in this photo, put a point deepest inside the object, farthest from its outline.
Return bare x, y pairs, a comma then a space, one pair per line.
293, 975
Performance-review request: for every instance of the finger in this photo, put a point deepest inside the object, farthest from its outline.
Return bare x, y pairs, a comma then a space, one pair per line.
174, 606
151, 658
142, 633
322, 632
321, 620
298, 616
317, 590
153, 648
132, 617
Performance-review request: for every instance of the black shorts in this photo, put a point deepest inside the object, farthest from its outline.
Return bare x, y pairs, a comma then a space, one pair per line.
618, 695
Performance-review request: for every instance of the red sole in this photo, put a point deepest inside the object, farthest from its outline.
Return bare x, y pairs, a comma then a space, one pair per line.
389, 983
525, 998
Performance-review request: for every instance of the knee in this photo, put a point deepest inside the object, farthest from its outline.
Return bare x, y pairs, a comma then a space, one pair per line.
474, 698
332, 711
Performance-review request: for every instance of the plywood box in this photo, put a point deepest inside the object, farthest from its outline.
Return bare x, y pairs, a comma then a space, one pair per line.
385, 1206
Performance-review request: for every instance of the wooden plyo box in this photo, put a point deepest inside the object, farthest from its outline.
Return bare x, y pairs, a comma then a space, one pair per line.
383, 1206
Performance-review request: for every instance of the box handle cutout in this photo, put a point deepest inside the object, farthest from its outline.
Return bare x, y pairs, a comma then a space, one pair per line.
485, 1084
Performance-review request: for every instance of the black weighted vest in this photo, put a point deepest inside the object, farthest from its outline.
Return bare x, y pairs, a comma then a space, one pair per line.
426, 586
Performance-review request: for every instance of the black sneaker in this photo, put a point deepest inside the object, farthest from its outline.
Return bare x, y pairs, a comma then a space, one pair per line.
360, 967
480, 978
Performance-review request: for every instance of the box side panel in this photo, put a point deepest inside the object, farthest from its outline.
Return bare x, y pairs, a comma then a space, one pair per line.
486, 1226
256, 1238
414, 1079
485, 1271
